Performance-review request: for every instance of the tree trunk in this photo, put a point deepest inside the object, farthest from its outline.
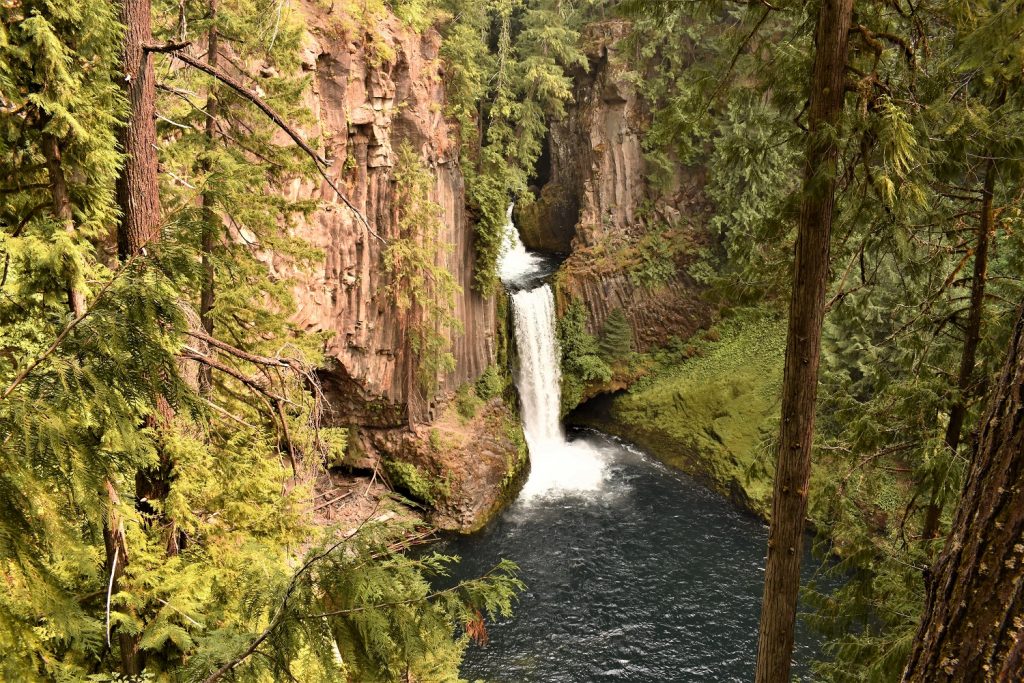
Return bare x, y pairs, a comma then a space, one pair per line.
973, 625
803, 347
61, 208
139, 201
210, 231
137, 188
965, 387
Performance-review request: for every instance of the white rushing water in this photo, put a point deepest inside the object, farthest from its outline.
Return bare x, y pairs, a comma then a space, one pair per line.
518, 266
557, 465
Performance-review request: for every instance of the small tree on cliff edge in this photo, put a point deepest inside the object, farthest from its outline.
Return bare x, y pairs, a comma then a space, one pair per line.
616, 337
803, 346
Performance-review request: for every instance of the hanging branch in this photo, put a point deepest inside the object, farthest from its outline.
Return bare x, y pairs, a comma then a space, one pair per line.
256, 385
736, 56
177, 50
280, 613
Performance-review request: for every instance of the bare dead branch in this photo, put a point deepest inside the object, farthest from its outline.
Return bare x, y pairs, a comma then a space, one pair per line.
177, 50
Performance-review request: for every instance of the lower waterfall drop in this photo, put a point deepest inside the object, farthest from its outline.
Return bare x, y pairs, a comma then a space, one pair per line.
557, 465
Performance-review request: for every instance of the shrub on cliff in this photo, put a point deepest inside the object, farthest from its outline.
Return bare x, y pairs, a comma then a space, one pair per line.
616, 338
582, 363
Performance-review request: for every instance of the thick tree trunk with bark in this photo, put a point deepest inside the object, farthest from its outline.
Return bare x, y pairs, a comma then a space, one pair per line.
137, 188
139, 200
973, 626
803, 346
965, 386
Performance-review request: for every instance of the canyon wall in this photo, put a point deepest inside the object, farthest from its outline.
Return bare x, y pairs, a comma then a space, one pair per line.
374, 88
597, 205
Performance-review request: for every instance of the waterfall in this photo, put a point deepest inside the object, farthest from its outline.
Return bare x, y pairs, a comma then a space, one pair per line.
557, 465
539, 378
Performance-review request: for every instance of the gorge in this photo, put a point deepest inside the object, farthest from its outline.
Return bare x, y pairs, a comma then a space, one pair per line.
633, 572
418, 341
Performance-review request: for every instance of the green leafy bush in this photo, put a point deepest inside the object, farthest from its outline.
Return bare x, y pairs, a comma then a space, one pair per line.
467, 403
582, 363
492, 383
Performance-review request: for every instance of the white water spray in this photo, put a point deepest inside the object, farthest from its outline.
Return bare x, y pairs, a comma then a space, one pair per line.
557, 465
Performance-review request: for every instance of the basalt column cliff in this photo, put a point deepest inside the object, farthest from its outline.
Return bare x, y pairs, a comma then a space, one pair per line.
372, 91
629, 243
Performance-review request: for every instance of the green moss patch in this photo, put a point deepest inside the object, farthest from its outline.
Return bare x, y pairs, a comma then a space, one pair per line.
417, 483
712, 414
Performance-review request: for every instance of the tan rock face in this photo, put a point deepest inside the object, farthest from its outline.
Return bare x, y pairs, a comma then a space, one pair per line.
471, 466
368, 94
591, 207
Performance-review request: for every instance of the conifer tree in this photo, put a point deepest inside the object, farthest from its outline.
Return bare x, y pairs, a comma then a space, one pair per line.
101, 387
803, 345
971, 630
509, 94
616, 341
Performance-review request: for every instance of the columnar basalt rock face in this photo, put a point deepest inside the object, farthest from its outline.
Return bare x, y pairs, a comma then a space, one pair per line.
370, 92
599, 206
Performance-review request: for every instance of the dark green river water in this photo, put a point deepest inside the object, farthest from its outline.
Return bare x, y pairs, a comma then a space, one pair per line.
650, 577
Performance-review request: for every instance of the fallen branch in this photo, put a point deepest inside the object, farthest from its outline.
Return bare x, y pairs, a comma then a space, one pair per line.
242, 354
332, 501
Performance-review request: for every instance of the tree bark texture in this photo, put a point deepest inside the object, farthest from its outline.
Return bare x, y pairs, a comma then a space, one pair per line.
965, 387
137, 187
139, 200
973, 625
803, 346
209, 236
60, 198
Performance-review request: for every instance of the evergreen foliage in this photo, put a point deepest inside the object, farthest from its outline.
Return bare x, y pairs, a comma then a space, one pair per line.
226, 567
508, 65
421, 283
582, 362
180, 361
616, 341
933, 115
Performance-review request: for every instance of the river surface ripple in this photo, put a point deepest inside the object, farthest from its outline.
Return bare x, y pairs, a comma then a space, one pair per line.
651, 578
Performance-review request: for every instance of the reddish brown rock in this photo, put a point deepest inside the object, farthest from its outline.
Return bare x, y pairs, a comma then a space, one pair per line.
364, 106
590, 206
373, 89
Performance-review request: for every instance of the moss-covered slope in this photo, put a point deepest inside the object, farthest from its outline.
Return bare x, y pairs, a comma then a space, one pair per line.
711, 414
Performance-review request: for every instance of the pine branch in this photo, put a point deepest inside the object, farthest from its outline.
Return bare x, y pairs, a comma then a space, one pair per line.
279, 615
739, 51
177, 50
245, 355
255, 385
400, 603
67, 330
